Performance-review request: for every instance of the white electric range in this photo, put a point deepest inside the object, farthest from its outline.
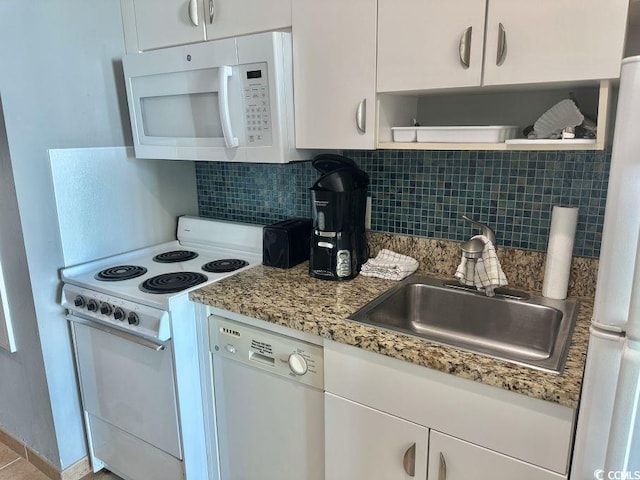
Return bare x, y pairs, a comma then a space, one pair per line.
137, 348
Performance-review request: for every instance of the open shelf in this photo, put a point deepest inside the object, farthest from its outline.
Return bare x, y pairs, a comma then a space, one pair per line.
520, 107
538, 145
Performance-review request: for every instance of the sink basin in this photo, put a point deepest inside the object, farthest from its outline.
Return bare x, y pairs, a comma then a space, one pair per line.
527, 330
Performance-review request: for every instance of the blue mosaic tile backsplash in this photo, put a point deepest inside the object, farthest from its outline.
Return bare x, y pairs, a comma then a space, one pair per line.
425, 192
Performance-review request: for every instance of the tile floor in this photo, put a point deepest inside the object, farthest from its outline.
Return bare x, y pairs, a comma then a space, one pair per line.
14, 467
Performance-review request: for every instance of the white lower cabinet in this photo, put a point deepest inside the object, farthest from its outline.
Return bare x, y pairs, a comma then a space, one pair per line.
389, 419
362, 443
454, 459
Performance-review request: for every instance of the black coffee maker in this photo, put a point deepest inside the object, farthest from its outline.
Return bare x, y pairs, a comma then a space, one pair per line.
338, 206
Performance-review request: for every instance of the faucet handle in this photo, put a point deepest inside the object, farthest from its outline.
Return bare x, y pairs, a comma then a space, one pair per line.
486, 230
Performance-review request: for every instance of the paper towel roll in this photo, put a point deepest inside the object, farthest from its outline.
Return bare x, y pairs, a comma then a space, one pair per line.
559, 252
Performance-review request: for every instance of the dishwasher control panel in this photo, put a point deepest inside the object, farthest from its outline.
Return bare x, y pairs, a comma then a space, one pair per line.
281, 355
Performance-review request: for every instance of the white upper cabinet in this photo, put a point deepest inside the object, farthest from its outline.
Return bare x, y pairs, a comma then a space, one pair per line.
334, 66
440, 44
553, 40
152, 24
229, 18
429, 44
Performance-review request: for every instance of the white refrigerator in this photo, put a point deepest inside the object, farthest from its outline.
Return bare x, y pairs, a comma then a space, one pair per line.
608, 431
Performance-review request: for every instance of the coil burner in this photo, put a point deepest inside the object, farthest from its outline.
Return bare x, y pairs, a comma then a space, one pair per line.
172, 282
224, 265
120, 272
175, 256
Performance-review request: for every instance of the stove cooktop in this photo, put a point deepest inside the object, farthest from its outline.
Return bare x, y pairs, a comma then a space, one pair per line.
139, 292
153, 275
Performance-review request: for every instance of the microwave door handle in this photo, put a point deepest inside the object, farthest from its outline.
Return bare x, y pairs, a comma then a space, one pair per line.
224, 72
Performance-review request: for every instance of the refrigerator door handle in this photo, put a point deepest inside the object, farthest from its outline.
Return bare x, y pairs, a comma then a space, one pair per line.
605, 332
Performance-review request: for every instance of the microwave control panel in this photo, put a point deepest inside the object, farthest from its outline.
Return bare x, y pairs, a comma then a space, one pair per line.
257, 108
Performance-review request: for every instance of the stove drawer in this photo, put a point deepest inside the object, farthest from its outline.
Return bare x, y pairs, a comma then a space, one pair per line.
128, 385
129, 456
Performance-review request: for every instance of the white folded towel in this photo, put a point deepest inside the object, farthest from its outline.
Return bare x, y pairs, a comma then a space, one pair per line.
484, 273
389, 265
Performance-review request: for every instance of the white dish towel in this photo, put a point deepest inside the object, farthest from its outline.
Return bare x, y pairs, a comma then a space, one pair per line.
484, 273
389, 265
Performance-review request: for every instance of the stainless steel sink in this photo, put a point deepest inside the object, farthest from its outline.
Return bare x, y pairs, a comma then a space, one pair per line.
527, 330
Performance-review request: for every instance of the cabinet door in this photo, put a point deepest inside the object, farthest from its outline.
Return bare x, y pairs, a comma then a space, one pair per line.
150, 24
229, 18
334, 63
365, 444
553, 40
454, 459
426, 44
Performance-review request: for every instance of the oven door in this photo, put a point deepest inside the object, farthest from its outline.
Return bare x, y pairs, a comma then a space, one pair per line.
128, 382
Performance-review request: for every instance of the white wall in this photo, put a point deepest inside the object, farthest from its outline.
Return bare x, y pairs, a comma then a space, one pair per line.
633, 40
95, 223
24, 405
633, 30
58, 71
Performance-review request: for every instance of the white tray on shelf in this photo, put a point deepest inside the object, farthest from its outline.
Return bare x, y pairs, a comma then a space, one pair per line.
467, 134
549, 141
404, 134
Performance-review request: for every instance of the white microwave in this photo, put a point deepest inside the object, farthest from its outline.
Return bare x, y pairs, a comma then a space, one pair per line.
224, 100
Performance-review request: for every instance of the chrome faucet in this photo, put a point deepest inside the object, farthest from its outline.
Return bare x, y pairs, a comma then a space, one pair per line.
474, 247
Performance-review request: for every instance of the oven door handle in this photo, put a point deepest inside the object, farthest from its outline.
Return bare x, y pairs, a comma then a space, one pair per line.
118, 333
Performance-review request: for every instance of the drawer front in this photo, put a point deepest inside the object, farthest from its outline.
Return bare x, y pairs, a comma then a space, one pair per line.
129, 456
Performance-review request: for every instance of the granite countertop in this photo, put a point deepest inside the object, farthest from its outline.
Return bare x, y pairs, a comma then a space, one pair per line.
293, 299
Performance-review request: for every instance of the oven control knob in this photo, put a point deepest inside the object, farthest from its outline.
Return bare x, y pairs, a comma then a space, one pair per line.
118, 313
92, 306
297, 364
105, 309
79, 301
133, 318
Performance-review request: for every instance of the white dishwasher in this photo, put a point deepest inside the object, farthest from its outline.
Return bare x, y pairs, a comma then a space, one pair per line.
269, 403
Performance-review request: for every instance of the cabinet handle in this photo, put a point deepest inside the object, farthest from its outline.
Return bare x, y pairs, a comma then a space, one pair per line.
212, 12
502, 45
465, 47
361, 116
442, 472
193, 12
409, 461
